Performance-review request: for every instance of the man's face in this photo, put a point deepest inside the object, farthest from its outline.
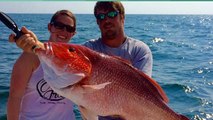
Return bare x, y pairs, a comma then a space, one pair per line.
110, 23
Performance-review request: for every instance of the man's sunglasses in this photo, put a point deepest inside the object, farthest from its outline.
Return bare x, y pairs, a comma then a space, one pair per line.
61, 26
111, 14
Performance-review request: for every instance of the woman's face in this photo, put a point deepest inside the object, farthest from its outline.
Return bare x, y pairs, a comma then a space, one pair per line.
62, 29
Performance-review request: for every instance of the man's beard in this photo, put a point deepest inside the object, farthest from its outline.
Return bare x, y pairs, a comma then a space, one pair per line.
109, 34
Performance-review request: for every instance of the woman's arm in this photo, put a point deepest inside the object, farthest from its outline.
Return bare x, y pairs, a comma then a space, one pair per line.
20, 76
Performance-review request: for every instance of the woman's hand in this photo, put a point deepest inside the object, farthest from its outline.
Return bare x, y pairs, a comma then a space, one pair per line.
27, 42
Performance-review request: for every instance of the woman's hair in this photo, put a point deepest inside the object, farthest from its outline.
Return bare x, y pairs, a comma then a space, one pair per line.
63, 12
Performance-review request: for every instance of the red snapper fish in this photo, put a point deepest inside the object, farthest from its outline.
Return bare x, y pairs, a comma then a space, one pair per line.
103, 85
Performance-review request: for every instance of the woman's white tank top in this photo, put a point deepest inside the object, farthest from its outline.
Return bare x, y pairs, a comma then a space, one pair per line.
40, 102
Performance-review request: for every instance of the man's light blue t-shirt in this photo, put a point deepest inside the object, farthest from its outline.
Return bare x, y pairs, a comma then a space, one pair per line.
133, 50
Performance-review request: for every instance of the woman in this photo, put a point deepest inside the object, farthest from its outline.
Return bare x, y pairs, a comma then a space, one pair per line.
30, 96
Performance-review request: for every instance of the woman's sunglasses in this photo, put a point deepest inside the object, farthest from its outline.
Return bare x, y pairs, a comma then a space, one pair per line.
111, 14
61, 26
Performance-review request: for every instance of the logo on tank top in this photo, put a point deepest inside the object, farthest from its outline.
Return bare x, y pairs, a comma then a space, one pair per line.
46, 92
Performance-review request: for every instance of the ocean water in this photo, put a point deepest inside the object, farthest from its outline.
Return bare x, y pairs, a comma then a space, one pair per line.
182, 47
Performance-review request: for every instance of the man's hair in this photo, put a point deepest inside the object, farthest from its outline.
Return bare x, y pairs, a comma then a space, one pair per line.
66, 13
109, 5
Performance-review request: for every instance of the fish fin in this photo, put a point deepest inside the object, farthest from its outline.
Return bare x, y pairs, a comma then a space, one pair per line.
160, 90
91, 88
86, 114
112, 117
182, 117
158, 87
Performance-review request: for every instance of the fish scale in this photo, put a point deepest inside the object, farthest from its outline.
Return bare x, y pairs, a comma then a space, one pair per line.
104, 85
123, 83
124, 78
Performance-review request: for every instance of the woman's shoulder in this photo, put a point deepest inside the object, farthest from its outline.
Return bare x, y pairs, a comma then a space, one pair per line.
28, 60
25, 56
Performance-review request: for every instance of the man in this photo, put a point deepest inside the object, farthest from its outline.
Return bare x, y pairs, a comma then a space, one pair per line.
110, 17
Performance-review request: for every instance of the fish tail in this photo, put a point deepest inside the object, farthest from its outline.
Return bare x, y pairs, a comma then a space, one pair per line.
182, 117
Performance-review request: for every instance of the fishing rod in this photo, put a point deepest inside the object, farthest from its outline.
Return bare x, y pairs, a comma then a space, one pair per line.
13, 26
10, 24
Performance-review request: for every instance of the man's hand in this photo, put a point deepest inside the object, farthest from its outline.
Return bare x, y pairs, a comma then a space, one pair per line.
27, 41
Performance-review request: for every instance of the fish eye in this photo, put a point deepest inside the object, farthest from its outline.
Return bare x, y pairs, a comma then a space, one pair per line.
72, 49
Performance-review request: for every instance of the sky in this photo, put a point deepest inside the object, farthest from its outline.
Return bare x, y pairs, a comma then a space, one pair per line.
131, 7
